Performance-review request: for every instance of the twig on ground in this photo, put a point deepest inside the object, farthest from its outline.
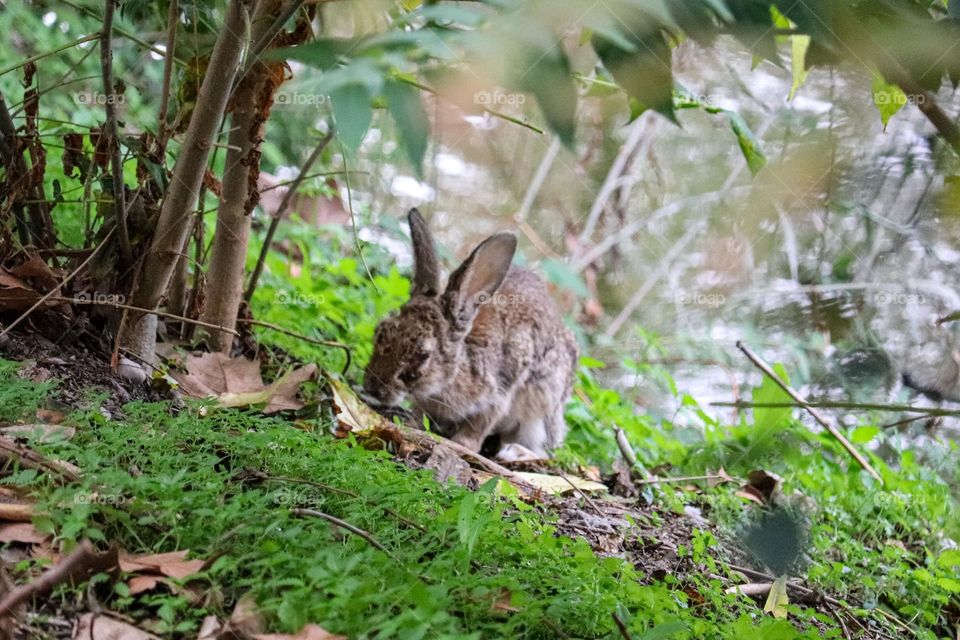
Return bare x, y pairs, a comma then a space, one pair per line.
81, 562
765, 368
422, 437
300, 336
30, 459
625, 449
346, 492
346, 526
723, 478
583, 493
621, 626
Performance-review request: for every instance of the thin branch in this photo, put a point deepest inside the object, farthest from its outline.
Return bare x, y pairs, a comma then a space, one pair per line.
835, 404
282, 209
53, 291
173, 16
113, 139
45, 54
709, 477
300, 336
267, 37
353, 218
347, 492
343, 524
162, 314
536, 183
79, 563
765, 368
663, 267
123, 32
30, 459
609, 184
621, 626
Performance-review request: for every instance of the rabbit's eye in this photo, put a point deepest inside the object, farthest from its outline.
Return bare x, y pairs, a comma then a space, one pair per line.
412, 372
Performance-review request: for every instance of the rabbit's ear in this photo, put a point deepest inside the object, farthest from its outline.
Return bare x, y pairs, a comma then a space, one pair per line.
426, 267
478, 278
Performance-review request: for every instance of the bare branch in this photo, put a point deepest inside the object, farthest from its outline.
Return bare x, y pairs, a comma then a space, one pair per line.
110, 129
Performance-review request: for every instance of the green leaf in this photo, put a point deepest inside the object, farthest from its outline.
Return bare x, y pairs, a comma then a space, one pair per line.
889, 98
948, 559
351, 113
799, 45
324, 53
403, 101
749, 145
547, 76
770, 418
644, 71
662, 631
863, 435
560, 274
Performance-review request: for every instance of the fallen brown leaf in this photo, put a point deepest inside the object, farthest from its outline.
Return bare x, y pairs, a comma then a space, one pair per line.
50, 416
236, 382
309, 632
42, 432
173, 564
353, 414
16, 511
99, 627
21, 532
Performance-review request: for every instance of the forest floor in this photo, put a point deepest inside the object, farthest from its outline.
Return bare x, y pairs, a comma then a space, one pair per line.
208, 522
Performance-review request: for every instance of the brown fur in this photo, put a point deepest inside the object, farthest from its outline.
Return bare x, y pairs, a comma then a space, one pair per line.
490, 355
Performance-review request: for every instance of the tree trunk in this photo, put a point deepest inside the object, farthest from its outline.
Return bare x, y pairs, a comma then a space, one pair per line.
138, 336
224, 286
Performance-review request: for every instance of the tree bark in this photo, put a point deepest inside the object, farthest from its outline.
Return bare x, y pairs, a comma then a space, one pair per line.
224, 285
138, 335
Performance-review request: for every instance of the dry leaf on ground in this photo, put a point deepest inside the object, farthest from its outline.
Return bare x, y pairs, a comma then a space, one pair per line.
42, 432
173, 564
22, 532
99, 627
309, 632
352, 413
236, 382
559, 485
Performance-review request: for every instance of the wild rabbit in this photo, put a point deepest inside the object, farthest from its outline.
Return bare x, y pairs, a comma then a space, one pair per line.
487, 356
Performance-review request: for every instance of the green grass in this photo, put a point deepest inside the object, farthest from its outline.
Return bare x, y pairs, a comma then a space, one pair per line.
198, 484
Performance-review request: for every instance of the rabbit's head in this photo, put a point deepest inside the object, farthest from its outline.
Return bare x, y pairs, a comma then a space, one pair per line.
417, 350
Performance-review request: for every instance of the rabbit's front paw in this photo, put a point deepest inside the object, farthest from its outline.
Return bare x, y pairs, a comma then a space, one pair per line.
514, 452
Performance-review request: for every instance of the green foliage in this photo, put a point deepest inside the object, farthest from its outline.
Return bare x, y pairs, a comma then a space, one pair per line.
330, 298
194, 490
